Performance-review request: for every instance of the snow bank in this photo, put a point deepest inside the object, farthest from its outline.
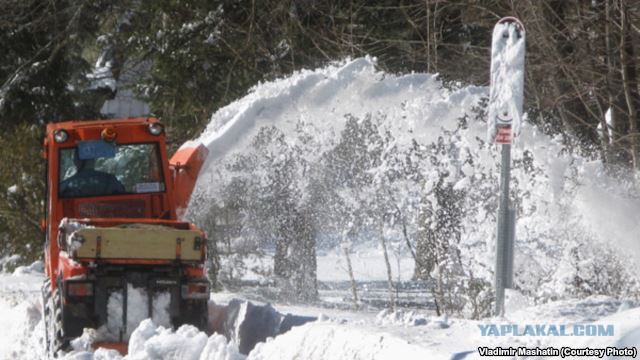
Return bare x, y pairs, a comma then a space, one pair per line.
320, 341
392, 337
387, 317
8, 262
150, 341
596, 310
21, 328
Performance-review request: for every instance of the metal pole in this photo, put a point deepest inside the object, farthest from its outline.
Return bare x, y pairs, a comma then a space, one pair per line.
511, 234
503, 229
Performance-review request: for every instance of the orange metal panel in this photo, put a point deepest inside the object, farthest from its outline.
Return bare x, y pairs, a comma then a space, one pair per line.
186, 164
121, 347
194, 271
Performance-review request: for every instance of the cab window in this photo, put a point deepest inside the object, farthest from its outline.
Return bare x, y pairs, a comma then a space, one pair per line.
129, 169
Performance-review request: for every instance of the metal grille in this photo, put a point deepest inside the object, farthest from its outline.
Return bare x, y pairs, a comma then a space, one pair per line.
112, 209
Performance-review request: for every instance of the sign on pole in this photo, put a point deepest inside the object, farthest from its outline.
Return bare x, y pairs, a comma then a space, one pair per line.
504, 118
507, 80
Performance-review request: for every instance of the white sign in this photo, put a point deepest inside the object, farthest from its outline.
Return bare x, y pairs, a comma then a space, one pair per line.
507, 81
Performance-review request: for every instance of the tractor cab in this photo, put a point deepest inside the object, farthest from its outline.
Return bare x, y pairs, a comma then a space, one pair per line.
111, 171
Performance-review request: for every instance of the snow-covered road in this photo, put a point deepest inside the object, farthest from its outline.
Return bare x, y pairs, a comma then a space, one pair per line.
338, 334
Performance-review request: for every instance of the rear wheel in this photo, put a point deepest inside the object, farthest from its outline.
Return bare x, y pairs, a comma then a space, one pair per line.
54, 335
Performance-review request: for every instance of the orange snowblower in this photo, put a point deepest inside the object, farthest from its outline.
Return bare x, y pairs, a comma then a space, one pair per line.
112, 231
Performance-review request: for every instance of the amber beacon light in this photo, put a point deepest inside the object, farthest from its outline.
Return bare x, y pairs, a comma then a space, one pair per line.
109, 134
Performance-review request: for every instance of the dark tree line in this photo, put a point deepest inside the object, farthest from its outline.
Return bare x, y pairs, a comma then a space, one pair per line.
43, 62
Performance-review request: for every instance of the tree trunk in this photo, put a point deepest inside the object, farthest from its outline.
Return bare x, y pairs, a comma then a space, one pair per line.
392, 298
629, 85
354, 287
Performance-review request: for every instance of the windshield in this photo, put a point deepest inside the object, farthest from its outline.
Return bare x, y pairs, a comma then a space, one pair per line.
135, 168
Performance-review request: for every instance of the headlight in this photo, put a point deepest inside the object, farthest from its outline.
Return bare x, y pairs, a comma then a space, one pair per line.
60, 136
156, 129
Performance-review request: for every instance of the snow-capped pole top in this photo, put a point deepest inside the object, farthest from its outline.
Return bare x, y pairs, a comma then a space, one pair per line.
507, 81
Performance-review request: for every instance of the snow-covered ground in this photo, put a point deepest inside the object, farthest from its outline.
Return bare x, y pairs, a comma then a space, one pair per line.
336, 335
21, 328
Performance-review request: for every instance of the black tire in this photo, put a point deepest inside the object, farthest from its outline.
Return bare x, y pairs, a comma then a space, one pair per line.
55, 340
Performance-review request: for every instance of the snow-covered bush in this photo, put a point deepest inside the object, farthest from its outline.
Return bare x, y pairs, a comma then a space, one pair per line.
9, 263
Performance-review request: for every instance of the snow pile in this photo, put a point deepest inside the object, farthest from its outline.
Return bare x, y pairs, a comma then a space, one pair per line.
21, 328
8, 262
325, 340
69, 231
599, 310
386, 317
150, 341
36, 267
137, 311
